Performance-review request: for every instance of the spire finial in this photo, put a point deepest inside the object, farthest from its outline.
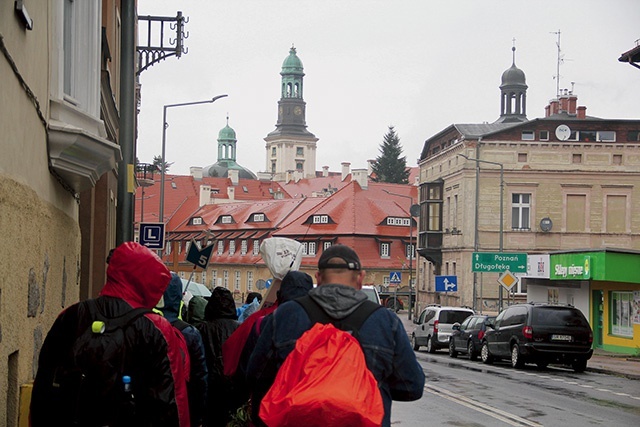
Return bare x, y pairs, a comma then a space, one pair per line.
513, 49
227, 118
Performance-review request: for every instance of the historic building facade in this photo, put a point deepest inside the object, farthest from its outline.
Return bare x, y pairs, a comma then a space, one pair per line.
291, 148
566, 181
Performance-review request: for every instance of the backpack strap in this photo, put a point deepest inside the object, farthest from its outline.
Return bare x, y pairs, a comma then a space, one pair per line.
352, 322
112, 323
180, 324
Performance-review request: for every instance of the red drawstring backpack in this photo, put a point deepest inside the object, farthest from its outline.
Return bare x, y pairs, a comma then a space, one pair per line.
325, 381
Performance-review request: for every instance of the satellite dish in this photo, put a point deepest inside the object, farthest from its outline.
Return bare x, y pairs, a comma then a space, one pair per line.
563, 132
260, 284
414, 210
546, 224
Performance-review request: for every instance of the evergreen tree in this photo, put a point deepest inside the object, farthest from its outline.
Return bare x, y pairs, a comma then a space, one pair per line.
390, 166
157, 163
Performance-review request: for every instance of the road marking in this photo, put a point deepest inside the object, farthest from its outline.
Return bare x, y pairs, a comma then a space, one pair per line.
496, 413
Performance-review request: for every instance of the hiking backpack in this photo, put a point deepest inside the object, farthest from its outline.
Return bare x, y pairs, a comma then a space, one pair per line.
325, 381
88, 385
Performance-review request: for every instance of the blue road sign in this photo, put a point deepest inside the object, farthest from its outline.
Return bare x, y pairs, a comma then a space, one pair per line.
152, 235
446, 283
395, 277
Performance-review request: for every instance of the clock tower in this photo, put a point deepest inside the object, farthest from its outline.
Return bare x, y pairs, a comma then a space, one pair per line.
291, 148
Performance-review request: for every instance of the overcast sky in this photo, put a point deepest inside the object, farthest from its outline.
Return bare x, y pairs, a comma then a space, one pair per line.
417, 65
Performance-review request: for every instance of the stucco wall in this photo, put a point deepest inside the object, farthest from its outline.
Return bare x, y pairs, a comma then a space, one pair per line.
39, 276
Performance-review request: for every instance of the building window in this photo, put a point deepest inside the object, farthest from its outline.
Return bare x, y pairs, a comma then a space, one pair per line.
204, 277
520, 209
386, 281
196, 221
179, 247
606, 136
633, 136
404, 222
258, 217
220, 247
588, 135
326, 245
226, 219
617, 159
273, 167
522, 157
167, 248
309, 248
256, 247
300, 151
225, 278
385, 249
214, 278
621, 313
544, 135
249, 281
320, 219
243, 247
577, 158
299, 166
576, 212
528, 135
232, 247
411, 251
273, 151
236, 285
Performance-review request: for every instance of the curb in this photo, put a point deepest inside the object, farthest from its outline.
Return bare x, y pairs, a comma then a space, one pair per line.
613, 373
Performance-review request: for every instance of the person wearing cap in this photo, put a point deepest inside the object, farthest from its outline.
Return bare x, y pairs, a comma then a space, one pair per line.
384, 341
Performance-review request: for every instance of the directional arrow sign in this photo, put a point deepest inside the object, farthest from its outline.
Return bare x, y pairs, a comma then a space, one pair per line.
151, 235
446, 283
499, 262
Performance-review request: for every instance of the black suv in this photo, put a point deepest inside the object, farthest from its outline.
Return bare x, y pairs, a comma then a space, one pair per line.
467, 338
540, 334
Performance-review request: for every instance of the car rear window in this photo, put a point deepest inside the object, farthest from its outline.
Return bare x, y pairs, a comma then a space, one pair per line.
560, 316
453, 316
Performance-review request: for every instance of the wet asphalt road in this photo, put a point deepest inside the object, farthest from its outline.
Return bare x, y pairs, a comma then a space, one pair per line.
459, 392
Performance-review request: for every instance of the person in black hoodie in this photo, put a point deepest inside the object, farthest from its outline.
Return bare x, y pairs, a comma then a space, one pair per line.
220, 320
171, 306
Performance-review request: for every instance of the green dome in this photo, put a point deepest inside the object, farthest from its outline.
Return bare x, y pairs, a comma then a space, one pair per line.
292, 64
227, 133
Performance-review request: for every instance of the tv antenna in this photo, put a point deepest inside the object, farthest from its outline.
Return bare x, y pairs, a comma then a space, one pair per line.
559, 61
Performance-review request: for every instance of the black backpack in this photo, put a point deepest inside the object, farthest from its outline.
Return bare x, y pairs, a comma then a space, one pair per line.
88, 386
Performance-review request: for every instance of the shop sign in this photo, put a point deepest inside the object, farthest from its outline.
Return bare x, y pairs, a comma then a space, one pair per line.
570, 267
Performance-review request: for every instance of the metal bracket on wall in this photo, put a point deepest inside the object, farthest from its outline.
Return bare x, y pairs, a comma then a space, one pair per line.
158, 40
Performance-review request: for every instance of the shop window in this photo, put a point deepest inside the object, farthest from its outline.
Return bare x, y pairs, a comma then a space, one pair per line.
621, 313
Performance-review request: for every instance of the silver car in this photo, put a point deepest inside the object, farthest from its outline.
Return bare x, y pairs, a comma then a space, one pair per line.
435, 325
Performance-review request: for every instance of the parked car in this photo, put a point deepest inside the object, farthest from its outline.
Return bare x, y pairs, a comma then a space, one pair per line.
540, 334
372, 293
467, 337
435, 325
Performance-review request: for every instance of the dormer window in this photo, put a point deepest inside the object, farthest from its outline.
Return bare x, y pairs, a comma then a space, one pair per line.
258, 217
225, 219
196, 220
404, 222
320, 219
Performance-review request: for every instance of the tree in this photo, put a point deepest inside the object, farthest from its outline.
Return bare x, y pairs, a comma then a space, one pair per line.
389, 166
157, 163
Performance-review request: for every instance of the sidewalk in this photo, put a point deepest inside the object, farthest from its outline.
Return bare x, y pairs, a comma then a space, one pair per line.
601, 361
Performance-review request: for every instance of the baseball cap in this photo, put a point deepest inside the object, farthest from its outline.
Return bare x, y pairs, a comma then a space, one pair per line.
345, 253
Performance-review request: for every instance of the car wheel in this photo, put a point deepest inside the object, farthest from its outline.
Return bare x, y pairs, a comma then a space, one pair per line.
579, 365
516, 360
471, 350
414, 342
542, 365
452, 349
430, 347
485, 356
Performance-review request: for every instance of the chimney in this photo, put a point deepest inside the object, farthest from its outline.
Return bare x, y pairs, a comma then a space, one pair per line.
205, 195
572, 103
360, 176
370, 164
582, 112
233, 175
297, 175
231, 192
554, 105
196, 172
345, 169
325, 171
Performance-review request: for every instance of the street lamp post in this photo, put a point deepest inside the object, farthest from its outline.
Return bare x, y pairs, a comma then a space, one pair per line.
501, 247
410, 252
164, 139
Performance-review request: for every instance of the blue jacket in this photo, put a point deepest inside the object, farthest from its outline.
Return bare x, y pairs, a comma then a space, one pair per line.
383, 339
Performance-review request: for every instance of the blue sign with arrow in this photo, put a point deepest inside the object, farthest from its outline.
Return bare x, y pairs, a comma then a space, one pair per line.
152, 235
446, 283
199, 258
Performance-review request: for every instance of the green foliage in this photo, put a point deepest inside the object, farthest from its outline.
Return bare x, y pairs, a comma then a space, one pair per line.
157, 163
390, 165
242, 417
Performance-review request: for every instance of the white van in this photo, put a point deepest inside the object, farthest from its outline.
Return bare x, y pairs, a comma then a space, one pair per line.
372, 293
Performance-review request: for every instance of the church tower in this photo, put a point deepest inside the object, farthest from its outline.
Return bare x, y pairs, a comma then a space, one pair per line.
291, 148
513, 91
